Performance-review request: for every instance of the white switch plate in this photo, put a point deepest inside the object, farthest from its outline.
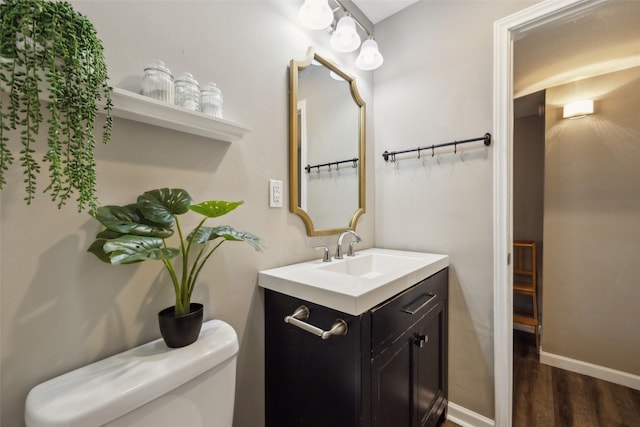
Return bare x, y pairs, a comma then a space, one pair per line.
275, 193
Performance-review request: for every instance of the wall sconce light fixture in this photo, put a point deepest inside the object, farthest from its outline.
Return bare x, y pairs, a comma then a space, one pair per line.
345, 37
575, 110
344, 34
315, 14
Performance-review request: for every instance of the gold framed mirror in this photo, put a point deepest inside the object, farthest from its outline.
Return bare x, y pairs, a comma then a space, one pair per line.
326, 146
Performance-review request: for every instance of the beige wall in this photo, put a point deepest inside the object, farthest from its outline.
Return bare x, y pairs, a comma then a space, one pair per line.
528, 178
528, 193
61, 308
592, 224
434, 87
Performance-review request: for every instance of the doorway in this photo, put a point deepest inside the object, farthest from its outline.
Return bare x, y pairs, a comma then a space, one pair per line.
505, 32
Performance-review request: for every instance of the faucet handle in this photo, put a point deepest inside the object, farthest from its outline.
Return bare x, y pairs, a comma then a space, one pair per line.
325, 256
351, 252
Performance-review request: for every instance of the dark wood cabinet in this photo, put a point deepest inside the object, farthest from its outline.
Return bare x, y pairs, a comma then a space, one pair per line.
389, 370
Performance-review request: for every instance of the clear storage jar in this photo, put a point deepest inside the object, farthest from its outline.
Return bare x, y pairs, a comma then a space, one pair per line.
211, 100
187, 92
157, 82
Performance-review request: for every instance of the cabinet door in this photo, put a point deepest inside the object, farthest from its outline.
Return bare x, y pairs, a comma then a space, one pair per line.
429, 368
392, 385
311, 382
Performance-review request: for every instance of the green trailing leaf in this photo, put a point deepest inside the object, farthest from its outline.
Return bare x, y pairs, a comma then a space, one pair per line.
130, 249
48, 46
139, 232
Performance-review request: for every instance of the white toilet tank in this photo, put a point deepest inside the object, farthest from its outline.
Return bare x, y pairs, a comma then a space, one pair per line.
148, 386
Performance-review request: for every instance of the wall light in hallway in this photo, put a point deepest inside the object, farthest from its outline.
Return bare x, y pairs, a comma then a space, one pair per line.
578, 109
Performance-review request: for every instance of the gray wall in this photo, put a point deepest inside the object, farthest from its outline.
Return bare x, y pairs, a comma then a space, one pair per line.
61, 308
435, 86
592, 224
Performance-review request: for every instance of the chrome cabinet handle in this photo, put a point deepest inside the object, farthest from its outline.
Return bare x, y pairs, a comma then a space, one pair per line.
411, 311
302, 313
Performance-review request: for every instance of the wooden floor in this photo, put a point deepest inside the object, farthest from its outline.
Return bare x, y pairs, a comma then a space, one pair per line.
544, 396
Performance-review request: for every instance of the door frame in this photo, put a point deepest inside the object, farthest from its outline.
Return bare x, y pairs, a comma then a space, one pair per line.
505, 31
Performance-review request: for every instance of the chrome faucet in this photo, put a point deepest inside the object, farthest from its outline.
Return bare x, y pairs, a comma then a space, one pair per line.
339, 248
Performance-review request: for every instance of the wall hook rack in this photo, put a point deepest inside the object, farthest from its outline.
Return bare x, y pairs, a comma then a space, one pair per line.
486, 138
354, 164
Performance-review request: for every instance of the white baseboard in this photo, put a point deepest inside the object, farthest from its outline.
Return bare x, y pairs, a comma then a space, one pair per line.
617, 377
466, 418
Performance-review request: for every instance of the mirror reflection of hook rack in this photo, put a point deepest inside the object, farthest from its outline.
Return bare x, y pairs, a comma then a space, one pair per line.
486, 138
353, 161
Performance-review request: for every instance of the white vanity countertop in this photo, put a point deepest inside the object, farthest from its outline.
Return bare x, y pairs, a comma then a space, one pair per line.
388, 273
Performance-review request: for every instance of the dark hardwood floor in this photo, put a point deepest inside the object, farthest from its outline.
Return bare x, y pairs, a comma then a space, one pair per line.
544, 396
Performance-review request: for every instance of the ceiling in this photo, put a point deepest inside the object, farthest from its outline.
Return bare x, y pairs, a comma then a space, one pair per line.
378, 10
601, 39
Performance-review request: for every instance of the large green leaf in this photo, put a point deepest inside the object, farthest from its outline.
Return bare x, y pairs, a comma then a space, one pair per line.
96, 248
128, 220
160, 206
129, 249
205, 234
214, 208
102, 237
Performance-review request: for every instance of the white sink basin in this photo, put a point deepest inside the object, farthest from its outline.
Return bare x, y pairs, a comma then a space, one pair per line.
369, 265
354, 284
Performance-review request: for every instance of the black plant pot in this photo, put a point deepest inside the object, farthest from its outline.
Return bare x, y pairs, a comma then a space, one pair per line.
180, 331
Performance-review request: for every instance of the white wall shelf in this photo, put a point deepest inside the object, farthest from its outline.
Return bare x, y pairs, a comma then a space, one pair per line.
136, 107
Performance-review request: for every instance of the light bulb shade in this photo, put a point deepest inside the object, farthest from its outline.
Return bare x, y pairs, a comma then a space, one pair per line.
578, 109
370, 57
315, 14
345, 38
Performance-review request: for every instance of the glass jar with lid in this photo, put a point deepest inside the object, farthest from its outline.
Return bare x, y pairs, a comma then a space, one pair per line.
187, 92
157, 82
211, 101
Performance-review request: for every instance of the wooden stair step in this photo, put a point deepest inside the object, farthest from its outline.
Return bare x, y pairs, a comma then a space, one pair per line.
524, 320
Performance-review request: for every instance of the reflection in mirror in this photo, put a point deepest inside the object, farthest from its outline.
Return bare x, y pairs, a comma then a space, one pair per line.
327, 183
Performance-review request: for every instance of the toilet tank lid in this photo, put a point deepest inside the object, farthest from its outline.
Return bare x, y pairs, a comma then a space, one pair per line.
102, 391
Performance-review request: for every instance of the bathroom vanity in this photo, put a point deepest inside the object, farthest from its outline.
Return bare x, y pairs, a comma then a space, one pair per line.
386, 365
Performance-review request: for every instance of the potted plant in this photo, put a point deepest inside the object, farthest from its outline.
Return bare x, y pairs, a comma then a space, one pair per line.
50, 53
139, 232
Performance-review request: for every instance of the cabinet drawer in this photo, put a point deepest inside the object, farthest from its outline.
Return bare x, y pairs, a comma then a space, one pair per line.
392, 318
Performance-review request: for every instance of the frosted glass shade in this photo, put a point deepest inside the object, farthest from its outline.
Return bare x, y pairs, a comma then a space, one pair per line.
315, 14
345, 38
578, 109
370, 57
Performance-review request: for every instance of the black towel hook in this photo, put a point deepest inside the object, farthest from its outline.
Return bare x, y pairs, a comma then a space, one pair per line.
486, 138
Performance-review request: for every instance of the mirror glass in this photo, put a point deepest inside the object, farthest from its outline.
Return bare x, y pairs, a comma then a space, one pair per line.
326, 142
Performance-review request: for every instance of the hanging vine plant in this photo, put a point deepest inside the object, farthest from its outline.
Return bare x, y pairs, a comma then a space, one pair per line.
50, 53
